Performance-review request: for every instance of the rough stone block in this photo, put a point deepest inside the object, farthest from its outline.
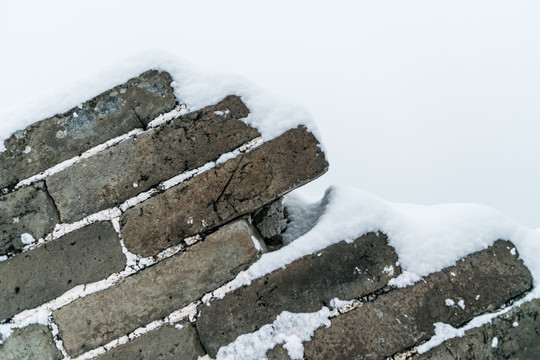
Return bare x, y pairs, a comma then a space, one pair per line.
157, 291
29, 210
345, 271
403, 318
135, 165
63, 136
234, 188
271, 221
166, 343
517, 333
31, 342
40, 275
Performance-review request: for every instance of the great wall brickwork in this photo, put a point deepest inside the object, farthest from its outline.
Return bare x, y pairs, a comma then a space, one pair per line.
125, 232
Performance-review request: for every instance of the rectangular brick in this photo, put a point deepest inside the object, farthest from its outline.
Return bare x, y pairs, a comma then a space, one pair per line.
234, 188
63, 136
157, 291
29, 210
32, 278
32, 342
135, 165
169, 342
517, 333
403, 318
345, 271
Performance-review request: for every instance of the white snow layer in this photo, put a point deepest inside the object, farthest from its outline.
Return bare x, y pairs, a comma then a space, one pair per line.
426, 239
270, 114
288, 329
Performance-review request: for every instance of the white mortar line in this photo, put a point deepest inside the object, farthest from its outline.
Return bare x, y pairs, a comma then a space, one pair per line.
114, 212
160, 120
134, 263
178, 111
57, 341
189, 312
67, 163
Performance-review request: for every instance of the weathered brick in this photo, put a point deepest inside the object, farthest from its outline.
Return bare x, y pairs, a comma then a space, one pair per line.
236, 187
32, 342
63, 136
29, 210
403, 318
157, 291
345, 271
517, 333
166, 343
107, 179
40, 275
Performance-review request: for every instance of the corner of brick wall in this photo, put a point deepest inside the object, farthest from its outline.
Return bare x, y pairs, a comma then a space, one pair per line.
127, 250
111, 223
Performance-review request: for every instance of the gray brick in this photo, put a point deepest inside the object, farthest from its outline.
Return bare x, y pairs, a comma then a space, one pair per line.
165, 343
30, 343
63, 136
517, 333
29, 210
234, 188
40, 275
157, 291
106, 179
403, 318
345, 271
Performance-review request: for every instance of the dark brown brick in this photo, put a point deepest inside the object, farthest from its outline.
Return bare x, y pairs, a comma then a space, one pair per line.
234, 188
107, 179
63, 136
32, 342
157, 291
40, 275
344, 271
517, 333
403, 318
29, 210
166, 343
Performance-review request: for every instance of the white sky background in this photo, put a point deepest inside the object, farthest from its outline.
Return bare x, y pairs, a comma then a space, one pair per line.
417, 101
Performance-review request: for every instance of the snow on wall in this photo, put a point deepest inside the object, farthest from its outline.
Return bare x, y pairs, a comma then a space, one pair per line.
195, 88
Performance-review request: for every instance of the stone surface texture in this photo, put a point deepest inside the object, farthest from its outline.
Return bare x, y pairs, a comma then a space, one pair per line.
35, 277
137, 164
168, 342
271, 221
403, 318
517, 333
232, 189
33, 342
170, 258
344, 271
29, 210
63, 136
157, 291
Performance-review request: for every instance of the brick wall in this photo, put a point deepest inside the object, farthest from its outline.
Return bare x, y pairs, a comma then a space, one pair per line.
123, 222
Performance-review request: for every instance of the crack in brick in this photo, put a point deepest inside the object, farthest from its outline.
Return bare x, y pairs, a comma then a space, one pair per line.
215, 202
